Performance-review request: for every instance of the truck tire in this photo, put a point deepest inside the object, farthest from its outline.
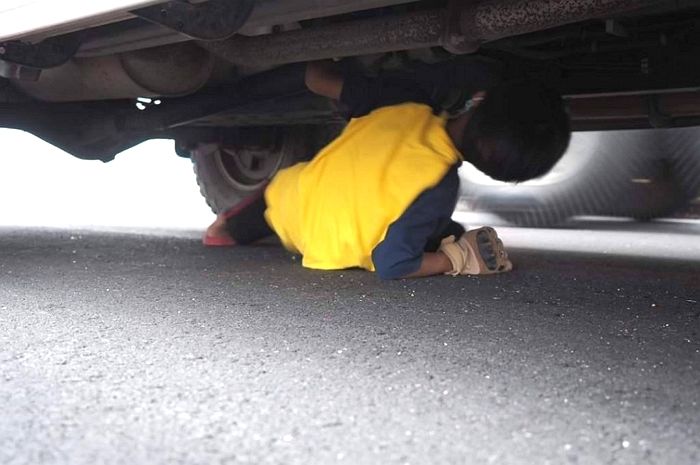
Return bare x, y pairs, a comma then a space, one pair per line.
229, 171
683, 146
634, 174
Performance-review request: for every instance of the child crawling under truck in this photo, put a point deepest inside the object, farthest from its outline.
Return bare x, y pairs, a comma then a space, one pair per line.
382, 194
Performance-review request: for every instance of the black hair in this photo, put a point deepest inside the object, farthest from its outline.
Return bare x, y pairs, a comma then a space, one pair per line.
518, 132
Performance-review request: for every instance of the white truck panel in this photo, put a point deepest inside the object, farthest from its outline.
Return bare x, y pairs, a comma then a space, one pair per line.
36, 19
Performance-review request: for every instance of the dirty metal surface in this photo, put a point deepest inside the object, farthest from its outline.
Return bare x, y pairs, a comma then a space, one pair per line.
495, 19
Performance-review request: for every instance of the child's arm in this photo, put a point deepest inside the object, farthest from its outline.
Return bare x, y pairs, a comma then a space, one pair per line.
432, 264
359, 94
323, 78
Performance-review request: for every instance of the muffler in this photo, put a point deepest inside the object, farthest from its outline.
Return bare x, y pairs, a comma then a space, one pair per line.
168, 71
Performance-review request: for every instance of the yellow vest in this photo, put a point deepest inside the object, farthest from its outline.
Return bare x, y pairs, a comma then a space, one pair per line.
335, 209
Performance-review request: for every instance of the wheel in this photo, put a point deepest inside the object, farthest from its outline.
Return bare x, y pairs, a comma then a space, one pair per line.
683, 145
657, 195
229, 171
621, 173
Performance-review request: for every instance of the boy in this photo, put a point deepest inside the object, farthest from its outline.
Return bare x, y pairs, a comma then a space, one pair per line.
381, 196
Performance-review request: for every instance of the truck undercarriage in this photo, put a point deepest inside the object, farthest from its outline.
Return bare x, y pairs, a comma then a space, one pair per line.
621, 63
225, 78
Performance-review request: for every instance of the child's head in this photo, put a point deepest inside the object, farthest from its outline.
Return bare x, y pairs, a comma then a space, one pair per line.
517, 132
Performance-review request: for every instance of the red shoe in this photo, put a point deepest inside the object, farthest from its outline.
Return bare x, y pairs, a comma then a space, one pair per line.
216, 234
220, 240
217, 241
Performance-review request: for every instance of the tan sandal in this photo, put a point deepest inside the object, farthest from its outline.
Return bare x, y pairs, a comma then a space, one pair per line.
476, 252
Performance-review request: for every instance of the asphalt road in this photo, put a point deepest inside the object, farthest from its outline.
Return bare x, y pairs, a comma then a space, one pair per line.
138, 349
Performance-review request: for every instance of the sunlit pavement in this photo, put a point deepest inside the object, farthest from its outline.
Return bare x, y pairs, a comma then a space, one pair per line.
149, 349
671, 239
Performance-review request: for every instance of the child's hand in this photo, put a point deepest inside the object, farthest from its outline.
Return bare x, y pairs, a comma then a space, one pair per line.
323, 78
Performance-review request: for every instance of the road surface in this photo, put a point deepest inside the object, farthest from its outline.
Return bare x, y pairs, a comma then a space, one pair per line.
149, 349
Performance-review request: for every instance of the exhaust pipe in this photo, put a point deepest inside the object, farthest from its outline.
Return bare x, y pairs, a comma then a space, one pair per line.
462, 28
496, 19
181, 69
265, 15
171, 70
376, 35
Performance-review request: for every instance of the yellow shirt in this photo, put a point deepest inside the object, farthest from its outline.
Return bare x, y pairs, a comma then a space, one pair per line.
335, 209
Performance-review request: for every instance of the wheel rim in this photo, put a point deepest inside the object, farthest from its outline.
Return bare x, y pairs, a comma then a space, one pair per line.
248, 168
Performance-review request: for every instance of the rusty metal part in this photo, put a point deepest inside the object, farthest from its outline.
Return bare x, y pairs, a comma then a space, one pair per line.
18, 72
172, 70
265, 15
490, 20
185, 72
376, 35
212, 20
45, 54
668, 109
461, 28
